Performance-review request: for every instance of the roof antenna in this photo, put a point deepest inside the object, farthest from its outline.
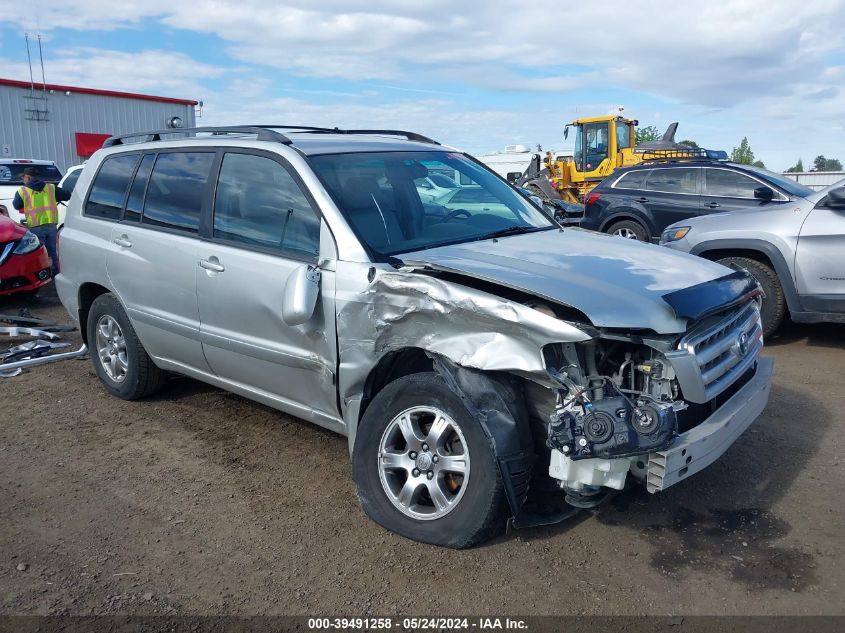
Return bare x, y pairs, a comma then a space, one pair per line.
41, 56
29, 60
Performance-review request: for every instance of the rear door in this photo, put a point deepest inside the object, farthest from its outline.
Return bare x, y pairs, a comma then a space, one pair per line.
820, 260
153, 261
726, 190
263, 227
671, 194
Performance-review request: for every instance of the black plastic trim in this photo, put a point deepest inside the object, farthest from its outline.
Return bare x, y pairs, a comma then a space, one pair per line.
703, 299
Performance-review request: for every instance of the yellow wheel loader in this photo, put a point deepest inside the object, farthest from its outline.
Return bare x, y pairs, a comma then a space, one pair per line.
603, 144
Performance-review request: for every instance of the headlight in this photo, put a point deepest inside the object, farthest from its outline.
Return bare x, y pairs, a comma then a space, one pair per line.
673, 235
29, 242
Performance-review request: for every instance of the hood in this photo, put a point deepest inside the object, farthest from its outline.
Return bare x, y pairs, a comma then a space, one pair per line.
10, 230
617, 283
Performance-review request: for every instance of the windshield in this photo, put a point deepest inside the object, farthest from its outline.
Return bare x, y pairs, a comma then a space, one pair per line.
787, 184
12, 174
377, 195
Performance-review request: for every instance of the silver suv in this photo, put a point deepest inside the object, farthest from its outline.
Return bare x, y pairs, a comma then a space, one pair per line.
795, 248
471, 356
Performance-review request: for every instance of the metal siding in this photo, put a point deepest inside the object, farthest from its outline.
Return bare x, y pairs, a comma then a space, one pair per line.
68, 114
816, 179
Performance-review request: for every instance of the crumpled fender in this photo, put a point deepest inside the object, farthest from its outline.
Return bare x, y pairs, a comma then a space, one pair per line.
495, 400
473, 329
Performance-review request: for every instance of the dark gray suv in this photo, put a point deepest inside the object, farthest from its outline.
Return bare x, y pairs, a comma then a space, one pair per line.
639, 202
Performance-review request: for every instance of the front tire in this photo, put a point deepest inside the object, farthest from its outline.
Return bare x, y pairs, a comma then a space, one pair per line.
424, 467
121, 362
774, 301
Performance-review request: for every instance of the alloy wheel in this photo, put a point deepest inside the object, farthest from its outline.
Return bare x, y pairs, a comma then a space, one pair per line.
424, 463
111, 348
625, 232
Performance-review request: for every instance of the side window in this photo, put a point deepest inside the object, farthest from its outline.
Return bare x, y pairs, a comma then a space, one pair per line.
730, 184
70, 182
623, 135
672, 180
474, 195
632, 180
260, 204
135, 202
109, 188
176, 189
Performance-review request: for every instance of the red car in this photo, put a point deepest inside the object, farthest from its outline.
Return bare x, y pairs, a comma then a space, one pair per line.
24, 264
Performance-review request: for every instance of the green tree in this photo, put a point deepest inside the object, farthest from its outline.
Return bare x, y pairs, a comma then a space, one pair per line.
646, 134
759, 163
743, 154
797, 168
689, 143
826, 164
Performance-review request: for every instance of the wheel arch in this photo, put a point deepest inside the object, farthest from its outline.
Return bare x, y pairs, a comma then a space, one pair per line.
88, 292
631, 215
759, 250
495, 399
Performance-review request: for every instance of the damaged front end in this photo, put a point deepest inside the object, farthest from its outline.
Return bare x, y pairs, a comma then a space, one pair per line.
566, 406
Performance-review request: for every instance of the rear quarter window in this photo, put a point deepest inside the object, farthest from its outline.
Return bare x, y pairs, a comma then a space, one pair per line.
12, 173
632, 180
108, 191
673, 180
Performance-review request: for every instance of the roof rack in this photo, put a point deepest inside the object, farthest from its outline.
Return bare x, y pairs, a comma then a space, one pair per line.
411, 136
262, 133
693, 154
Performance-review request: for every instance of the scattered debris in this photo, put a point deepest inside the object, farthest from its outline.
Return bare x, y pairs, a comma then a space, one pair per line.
36, 351
22, 566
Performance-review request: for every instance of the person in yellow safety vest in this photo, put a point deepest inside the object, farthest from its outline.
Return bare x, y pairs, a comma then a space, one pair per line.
39, 202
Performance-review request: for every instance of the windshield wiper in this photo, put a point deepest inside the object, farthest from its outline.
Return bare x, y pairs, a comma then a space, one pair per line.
511, 230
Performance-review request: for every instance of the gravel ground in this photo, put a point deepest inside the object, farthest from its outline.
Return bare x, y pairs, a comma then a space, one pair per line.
200, 502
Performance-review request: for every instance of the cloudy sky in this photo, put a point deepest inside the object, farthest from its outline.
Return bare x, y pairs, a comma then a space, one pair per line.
474, 75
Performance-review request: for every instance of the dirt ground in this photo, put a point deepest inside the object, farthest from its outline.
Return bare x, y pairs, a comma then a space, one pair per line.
200, 502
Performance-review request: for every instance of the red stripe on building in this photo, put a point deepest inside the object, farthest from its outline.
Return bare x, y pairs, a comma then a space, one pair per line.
95, 91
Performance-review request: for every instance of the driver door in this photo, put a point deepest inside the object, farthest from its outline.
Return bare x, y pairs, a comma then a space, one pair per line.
263, 228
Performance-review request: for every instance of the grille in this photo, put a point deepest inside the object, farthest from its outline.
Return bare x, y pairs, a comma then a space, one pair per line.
725, 349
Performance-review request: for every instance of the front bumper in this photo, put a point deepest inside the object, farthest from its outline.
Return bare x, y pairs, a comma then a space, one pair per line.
22, 273
699, 447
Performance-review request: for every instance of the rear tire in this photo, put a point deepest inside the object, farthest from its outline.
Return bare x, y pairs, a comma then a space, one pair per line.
629, 229
121, 362
471, 506
774, 302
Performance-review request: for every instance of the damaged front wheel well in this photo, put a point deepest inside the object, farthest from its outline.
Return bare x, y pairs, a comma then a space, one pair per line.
391, 366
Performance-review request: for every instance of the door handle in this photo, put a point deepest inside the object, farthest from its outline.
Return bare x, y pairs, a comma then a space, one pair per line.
711, 205
641, 200
123, 241
212, 264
